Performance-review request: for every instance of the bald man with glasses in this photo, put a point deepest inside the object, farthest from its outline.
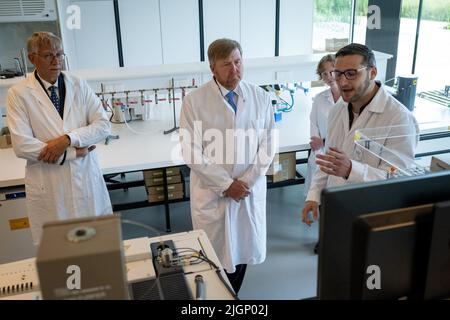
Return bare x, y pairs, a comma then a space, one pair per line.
365, 104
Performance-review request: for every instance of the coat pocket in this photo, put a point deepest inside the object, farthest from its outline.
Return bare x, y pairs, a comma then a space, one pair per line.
34, 182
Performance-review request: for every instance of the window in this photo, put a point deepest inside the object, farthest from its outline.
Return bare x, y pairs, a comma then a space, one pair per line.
360, 24
332, 20
432, 64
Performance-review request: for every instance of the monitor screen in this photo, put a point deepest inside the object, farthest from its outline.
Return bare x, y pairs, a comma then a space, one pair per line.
402, 254
342, 205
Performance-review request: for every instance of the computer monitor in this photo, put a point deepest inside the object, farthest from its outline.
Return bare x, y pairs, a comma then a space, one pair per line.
402, 254
340, 206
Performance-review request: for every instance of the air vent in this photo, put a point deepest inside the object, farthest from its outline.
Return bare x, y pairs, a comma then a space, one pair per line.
27, 10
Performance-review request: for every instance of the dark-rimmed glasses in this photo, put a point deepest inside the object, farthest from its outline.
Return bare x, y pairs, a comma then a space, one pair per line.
349, 74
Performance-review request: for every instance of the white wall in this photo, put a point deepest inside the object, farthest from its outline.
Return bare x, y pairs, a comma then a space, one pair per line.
258, 28
296, 27
141, 32
94, 45
180, 31
221, 20
67, 35
167, 31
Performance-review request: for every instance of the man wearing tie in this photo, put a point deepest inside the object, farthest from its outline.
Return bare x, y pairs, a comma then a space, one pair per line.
55, 119
226, 133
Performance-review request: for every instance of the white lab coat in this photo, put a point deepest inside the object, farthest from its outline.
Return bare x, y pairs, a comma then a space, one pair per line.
237, 230
322, 104
76, 188
382, 111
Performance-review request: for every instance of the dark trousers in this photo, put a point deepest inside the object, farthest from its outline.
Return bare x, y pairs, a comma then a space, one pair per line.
236, 278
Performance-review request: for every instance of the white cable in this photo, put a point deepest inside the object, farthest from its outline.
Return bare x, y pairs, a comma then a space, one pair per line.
131, 129
142, 226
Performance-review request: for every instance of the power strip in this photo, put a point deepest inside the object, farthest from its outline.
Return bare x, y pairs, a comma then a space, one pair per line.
18, 278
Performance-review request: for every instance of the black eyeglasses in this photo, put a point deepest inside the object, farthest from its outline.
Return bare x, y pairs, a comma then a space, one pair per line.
50, 56
349, 74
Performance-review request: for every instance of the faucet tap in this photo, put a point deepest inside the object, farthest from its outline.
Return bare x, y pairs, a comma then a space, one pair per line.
18, 67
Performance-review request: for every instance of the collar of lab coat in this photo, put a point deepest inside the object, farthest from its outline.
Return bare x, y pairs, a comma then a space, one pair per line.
38, 93
378, 103
224, 91
47, 84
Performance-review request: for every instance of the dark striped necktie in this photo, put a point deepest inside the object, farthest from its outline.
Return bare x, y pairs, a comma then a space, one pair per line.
54, 97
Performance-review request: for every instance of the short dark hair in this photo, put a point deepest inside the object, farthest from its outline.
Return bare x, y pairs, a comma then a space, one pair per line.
359, 49
221, 49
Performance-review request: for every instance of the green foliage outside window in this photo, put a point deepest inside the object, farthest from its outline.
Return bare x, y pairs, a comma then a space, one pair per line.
340, 10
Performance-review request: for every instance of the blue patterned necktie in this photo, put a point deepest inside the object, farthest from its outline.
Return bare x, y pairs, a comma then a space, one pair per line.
230, 98
54, 97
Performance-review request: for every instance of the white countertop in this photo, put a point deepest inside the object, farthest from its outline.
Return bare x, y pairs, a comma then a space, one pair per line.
152, 149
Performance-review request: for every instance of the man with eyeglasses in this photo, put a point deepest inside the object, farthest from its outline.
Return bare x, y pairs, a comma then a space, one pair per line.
365, 104
55, 120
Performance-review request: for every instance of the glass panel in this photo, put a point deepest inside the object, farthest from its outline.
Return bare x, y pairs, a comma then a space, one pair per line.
432, 65
407, 37
359, 35
331, 28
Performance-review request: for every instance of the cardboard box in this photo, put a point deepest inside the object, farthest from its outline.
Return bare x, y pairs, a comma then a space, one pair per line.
154, 181
173, 171
440, 162
175, 187
150, 174
170, 196
334, 44
5, 142
173, 179
282, 167
156, 190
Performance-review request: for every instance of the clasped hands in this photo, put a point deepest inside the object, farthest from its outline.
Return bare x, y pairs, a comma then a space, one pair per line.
238, 190
56, 147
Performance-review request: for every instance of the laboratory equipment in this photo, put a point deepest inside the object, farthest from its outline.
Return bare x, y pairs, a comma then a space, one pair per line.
15, 235
82, 259
406, 90
277, 114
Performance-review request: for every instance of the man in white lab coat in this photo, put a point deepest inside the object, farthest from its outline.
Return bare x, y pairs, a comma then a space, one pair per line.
226, 131
55, 119
366, 104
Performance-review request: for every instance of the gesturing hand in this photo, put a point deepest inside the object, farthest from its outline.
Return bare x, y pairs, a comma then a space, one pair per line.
335, 162
310, 206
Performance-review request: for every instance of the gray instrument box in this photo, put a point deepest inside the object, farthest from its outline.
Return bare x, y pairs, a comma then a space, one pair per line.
82, 259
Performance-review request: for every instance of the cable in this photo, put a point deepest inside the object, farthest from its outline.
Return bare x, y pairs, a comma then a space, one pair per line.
199, 255
135, 131
219, 274
142, 226
288, 107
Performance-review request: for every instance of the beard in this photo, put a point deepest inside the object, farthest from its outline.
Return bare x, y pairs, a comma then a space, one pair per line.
360, 91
